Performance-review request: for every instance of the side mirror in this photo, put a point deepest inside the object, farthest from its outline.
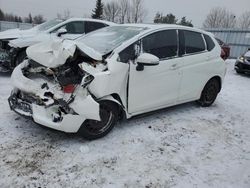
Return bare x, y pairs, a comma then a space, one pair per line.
146, 59
61, 32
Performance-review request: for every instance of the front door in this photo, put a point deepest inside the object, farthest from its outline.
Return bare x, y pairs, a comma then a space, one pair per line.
156, 86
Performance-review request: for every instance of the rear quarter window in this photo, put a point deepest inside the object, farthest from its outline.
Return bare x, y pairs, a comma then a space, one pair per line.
210, 42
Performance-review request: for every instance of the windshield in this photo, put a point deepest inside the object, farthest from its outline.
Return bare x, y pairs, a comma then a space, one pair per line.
49, 24
107, 39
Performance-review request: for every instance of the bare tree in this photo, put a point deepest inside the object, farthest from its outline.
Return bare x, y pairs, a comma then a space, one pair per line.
111, 11
244, 20
124, 6
220, 18
38, 19
65, 15
130, 11
138, 11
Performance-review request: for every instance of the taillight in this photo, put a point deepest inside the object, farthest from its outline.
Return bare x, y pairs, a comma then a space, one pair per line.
223, 54
69, 88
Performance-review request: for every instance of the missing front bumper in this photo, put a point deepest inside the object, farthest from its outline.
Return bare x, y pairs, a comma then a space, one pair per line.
49, 116
19, 106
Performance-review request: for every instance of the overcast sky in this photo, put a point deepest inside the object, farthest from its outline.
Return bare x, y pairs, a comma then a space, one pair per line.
195, 10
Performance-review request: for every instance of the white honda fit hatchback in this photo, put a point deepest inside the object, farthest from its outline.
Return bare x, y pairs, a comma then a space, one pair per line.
87, 84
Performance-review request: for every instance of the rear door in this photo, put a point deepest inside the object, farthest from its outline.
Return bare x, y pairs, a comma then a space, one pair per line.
195, 65
156, 86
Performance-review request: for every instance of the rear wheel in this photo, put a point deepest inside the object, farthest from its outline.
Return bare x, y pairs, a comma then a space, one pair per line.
92, 129
209, 93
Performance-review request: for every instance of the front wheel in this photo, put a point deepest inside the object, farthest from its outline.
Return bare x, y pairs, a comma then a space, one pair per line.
209, 93
92, 129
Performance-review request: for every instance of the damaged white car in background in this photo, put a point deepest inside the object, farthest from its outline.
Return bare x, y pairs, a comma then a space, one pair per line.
86, 85
13, 42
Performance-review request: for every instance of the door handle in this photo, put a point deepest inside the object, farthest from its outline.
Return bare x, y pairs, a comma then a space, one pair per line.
174, 67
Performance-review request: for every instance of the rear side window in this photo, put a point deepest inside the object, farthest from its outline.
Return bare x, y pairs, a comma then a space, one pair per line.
193, 42
221, 43
210, 42
92, 26
75, 27
162, 44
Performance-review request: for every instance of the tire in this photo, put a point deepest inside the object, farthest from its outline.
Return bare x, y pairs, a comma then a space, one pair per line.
92, 129
209, 93
20, 57
239, 72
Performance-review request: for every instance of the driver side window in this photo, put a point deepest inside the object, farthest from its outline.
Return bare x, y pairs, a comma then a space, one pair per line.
162, 44
73, 27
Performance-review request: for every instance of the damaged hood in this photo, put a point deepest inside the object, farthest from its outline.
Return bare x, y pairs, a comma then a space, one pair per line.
28, 41
54, 53
17, 33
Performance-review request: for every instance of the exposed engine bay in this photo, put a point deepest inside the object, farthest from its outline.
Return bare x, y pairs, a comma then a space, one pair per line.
5, 56
63, 88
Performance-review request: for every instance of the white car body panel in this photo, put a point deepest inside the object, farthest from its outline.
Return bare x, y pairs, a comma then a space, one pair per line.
55, 52
25, 38
43, 116
52, 54
197, 66
162, 78
173, 81
17, 33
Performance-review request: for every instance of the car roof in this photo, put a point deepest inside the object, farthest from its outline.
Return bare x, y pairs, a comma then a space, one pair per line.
154, 27
80, 19
90, 19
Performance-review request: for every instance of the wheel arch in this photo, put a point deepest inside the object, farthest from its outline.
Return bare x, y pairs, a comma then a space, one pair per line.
115, 98
219, 79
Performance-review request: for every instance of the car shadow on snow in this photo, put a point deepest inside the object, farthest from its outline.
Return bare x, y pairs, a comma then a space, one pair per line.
5, 74
246, 75
28, 126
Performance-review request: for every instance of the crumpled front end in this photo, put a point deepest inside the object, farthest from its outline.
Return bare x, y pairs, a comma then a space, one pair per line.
54, 97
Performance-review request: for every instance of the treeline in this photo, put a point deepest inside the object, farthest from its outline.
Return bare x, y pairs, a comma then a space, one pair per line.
222, 18
171, 19
37, 19
122, 11
132, 11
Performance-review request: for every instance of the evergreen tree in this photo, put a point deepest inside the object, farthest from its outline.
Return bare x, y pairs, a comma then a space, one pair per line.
1, 15
168, 19
185, 22
98, 11
30, 18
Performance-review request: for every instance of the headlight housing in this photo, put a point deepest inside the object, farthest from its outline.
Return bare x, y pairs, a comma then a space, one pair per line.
242, 59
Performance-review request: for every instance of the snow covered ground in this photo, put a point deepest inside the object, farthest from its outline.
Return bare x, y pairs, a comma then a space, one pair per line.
182, 146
